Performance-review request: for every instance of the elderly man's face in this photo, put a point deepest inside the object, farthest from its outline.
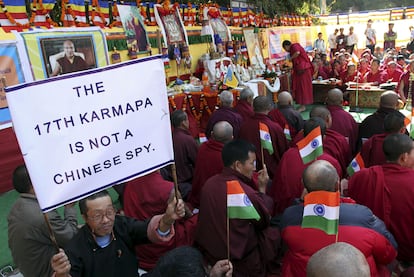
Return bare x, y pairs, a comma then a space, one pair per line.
69, 49
100, 216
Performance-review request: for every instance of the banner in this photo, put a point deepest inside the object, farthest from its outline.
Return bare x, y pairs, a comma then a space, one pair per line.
12, 74
84, 132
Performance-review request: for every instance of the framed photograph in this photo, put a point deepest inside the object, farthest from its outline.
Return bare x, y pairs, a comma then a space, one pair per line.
68, 54
136, 34
55, 52
171, 25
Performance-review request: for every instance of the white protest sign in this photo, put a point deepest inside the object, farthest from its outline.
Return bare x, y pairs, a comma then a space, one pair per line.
80, 133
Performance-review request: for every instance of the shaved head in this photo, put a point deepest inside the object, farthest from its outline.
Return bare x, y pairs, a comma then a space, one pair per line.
389, 99
222, 132
284, 98
262, 104
335, 97
338, 260
322, 112
320, 175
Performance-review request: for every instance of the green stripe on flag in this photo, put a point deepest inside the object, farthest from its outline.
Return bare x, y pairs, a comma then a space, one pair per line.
313, 155
267, 145
248, 212
328, 226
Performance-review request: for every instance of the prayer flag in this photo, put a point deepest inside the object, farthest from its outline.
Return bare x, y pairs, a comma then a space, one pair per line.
310, 147
238, 203
356, 165
321, 211
287, 132
265, 138
230, 79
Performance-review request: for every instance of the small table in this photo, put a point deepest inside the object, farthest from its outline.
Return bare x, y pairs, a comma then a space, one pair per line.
320, 90
368, 97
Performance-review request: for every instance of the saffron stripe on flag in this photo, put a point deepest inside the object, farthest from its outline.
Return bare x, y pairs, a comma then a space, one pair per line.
233, 187
309, 138
330, 213
329, 198
330, 226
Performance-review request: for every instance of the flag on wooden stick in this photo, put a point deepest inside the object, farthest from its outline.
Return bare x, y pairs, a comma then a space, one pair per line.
310, 147
238, 203
321, 211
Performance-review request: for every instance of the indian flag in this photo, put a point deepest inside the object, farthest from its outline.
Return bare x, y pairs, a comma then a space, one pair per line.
202, 138
321, 211
310, 147
356, 165
238, 204
265, 138
286, 131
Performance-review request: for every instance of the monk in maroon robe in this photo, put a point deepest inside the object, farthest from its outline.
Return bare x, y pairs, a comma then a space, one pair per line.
371, 150
302, 74
145, 197
209, 162
374, 123
388, 191
250, 132
212, 230
285, 115
244, 106
334, 143
342, 121
185, 151
225, 113
374, 75
288, 184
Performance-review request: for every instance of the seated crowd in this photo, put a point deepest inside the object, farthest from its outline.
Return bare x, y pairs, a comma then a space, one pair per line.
163, 229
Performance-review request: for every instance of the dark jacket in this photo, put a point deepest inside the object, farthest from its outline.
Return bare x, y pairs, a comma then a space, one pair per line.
117, 259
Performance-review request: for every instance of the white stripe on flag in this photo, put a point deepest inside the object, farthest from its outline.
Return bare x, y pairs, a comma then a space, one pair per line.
265, 135
238, 200
327, 212
305, 151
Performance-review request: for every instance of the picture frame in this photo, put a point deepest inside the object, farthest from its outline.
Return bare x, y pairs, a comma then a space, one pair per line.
37, 47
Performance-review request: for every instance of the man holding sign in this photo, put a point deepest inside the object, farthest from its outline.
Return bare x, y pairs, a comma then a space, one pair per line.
105, 244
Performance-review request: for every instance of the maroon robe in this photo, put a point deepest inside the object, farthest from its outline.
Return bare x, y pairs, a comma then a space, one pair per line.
380, 77
224, 114
372, 152
345, 124
250, 132
287, 185
286, 114
388, 191
302, 76
78, 64
211, 234
208, 164
145, 197
244, 109
185, 153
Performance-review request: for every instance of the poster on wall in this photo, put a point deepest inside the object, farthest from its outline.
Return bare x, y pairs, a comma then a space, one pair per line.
277, 35
169, 20
253, 48
56, 52
136, 35
11, 73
